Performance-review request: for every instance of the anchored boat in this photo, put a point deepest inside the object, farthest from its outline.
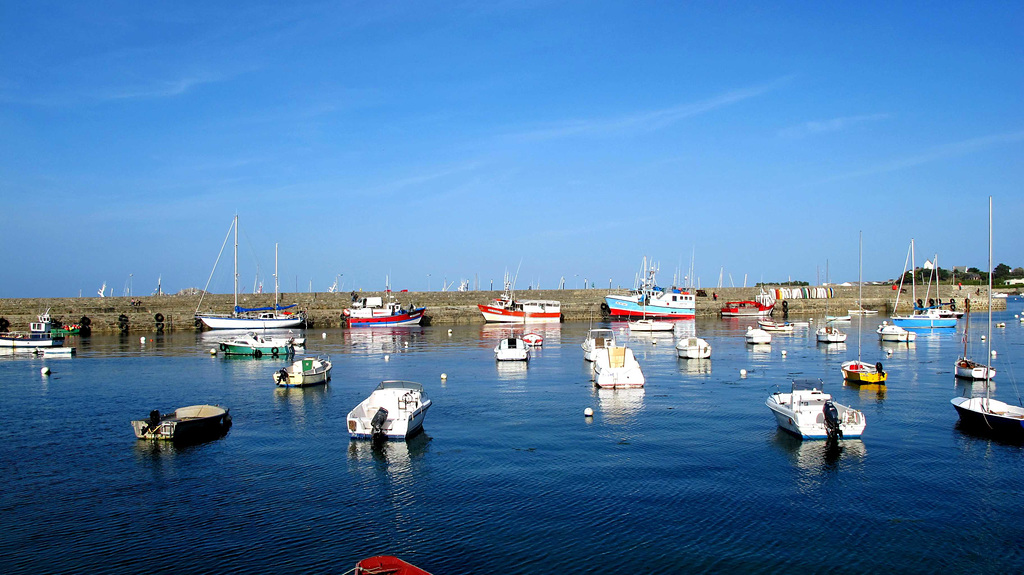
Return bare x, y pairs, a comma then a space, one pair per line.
648, 300
191, 423
304, 372
809, 413
617, 367
693, 348
395, 410
597, 339
512, 349
250, 343
507, 309
40, 336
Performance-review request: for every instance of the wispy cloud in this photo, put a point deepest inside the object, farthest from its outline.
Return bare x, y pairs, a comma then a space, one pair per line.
943, 152
153, 90
645, 121
832, 125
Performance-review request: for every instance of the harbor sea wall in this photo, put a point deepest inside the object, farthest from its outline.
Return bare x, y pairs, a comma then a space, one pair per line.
325, 309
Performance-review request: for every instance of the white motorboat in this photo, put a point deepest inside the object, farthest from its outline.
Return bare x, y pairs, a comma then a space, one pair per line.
648, 325
757, 336
305, 371
810, 413
693, 348
395, 410
40, 336
830, 334
775, 326
892, 332
512, 349
192, 423
617, 367
597, 339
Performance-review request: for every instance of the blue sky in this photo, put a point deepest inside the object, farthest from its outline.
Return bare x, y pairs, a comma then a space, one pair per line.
565, 139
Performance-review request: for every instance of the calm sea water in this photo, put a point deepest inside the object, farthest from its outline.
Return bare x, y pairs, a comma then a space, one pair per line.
689, 474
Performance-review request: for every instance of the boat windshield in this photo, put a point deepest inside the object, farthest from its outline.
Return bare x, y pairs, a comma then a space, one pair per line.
806, 384
399, 384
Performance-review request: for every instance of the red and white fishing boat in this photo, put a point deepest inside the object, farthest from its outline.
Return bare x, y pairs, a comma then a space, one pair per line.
374, 311
762, 307
382, 564
507, 309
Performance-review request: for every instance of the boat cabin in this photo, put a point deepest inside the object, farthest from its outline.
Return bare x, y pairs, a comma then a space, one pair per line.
369, 302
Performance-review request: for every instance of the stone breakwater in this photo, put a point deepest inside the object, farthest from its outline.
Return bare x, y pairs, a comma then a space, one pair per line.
325, 309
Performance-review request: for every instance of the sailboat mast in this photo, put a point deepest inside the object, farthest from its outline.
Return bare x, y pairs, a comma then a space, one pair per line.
988, 357
275, 278
860, 291
235, 310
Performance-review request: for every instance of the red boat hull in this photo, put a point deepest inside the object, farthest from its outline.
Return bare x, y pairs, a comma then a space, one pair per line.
386, 564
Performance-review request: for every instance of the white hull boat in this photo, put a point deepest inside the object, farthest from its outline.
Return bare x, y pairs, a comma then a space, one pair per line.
756, 336
830, 334
192, 423
616, 368
395, 410
969, 369
894, 333
39, 336
693, 348
249, 318
597, 339
809, 413
512, 349
774, 326
304, 372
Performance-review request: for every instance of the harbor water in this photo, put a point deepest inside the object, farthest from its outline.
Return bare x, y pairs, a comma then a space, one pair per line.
689, 474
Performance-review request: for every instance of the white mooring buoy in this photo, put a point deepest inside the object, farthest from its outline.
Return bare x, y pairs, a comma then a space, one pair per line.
142, 339
993, 353
783, 353
213, 351
588, 412
323, 335
45, 371
743, 373
387, 357
444, 376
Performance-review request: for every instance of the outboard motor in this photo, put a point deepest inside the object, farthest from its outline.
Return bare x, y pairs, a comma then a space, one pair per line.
378, 421
282, 376
154, 421
832, 421
878, 368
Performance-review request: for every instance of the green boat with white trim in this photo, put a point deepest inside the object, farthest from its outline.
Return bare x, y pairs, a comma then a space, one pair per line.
257, 345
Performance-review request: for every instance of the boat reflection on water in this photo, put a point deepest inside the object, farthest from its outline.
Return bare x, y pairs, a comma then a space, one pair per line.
382, 339
832, 348
551, 332
759, 349
396, 455
619, 405
972, 388
166, 451
867, 391
898, 348
695, 366
819, 456
511, 370
304, 404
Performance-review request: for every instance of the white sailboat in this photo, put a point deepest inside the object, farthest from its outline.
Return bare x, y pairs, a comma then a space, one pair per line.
248, 318
858, 371
996, 418
829, 333
966, 368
